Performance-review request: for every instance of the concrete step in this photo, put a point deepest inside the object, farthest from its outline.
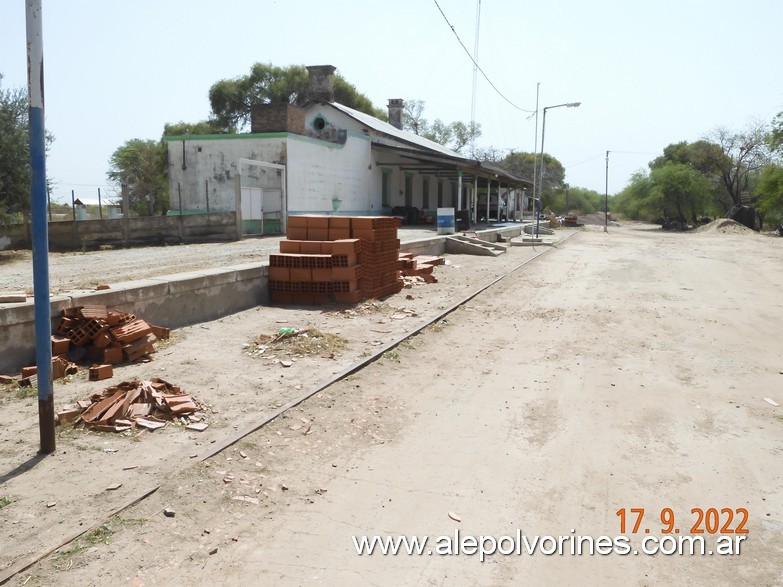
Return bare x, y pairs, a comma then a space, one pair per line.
463, 245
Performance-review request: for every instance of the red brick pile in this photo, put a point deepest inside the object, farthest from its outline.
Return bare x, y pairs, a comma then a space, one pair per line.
420, 266
336, 258
133, 404
106, 335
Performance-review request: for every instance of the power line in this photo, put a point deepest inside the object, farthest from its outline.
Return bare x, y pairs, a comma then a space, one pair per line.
453, 30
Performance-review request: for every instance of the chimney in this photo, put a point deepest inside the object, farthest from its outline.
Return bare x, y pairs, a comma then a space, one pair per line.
321, 82
395, 112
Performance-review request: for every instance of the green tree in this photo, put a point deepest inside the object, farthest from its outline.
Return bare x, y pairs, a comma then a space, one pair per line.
775, 138
455, 135
14, 154
413, 117
679, 191
633, 201
523, 165
232, 99
205, 127
671, 190
15, 172
739, 158
770, 191
770, 185
140, 166
578, 200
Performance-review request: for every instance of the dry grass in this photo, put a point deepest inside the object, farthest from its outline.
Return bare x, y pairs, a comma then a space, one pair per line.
308, 342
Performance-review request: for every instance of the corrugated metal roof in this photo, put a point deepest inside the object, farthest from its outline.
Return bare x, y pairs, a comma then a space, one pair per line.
402, 135
416, 143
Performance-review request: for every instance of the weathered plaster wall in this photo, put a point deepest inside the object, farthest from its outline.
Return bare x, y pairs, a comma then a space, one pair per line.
319, 172
210, 167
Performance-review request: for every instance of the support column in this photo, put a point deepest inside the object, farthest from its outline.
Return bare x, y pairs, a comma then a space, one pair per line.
459, 190
489, 196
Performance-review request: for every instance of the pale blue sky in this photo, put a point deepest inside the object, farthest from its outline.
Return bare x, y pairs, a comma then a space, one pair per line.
647, 73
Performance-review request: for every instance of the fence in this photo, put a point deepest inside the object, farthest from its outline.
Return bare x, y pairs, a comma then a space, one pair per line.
69, 235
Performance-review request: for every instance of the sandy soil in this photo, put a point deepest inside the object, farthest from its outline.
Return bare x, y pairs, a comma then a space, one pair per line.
620, 370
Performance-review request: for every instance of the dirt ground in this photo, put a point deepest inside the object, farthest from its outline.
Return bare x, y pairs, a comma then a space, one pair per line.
634, 369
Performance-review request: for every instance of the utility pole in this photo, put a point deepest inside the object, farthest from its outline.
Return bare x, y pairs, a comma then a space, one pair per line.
43, 320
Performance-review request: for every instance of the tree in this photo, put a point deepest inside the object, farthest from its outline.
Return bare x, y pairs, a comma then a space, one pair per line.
740, 157
671, 190
523, 164
232, 99
205, 127
15, 172
14, 154
579, 200
770, 191
775, 138
140, 166
633, 201
412, 117
679, 190
770, 185
456, 135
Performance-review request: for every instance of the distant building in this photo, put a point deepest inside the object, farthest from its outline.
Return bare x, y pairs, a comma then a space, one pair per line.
325, 158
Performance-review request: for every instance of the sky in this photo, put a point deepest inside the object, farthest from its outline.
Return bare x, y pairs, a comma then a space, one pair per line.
647, 74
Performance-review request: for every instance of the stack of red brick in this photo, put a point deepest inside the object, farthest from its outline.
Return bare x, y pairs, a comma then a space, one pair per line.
336, 258
106, 335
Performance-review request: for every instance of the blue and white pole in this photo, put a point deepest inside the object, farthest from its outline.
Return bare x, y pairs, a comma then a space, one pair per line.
38, 198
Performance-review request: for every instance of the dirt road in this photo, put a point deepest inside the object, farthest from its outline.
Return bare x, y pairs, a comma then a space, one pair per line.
618, 371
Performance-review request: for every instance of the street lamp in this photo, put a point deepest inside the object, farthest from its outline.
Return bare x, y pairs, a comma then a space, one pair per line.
541, 169
606, 196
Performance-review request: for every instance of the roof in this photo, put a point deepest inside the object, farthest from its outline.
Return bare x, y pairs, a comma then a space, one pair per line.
386, 128
438, 154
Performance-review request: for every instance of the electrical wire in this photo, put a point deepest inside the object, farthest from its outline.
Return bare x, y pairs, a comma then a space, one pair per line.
486, 77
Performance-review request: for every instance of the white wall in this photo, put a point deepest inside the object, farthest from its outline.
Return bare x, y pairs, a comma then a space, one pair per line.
319, 172
211, 166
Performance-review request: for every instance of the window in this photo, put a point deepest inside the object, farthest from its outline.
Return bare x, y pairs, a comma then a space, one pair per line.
440, 193
425, 193
409, 189
319, 122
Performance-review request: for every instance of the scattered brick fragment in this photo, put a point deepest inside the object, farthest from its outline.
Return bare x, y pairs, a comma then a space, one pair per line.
138, 404
100, 372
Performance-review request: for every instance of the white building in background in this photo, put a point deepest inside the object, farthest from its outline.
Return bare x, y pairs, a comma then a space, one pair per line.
327, 158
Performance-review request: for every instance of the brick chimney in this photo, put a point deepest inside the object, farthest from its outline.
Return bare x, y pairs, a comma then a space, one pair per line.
277, 117
321, 82
395, 112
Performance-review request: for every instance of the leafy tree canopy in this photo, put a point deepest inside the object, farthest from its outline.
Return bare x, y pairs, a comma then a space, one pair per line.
455, 135
139, 166
742, 155
775, 139
671, 190
14, 154
770, 191
205, 127
232, 99
523, 165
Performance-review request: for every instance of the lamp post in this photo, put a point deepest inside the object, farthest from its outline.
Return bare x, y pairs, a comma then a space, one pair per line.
541, 167
606, 196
